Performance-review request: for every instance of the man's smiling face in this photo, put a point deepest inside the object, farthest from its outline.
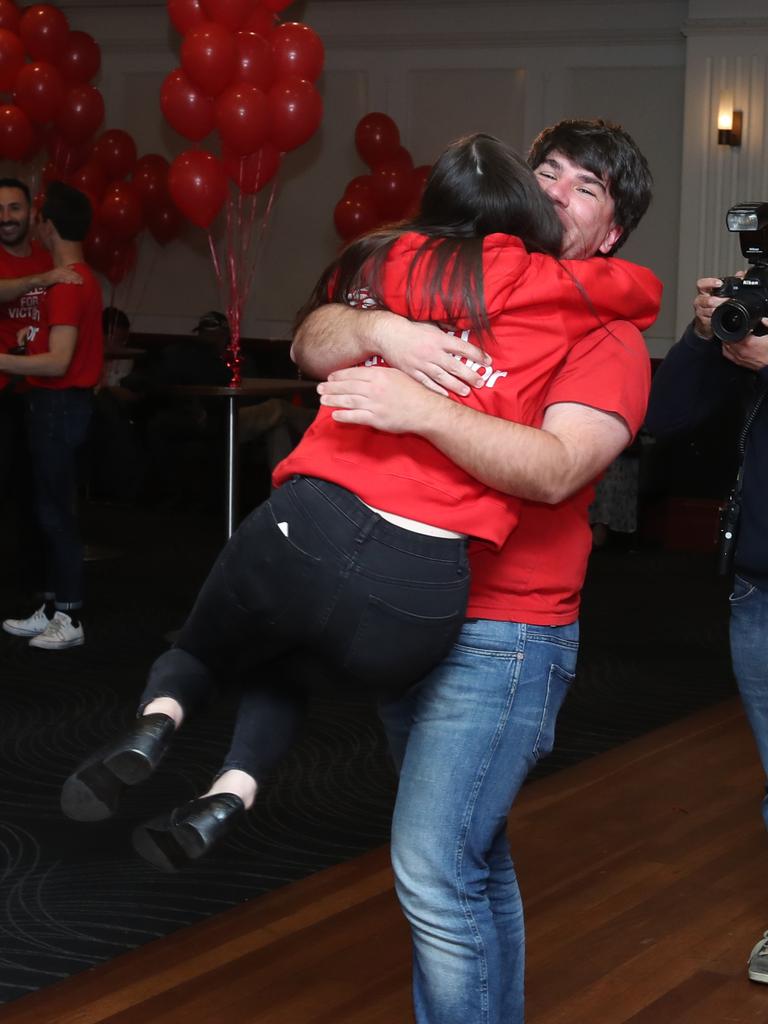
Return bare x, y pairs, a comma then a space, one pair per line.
583, 204
14, 218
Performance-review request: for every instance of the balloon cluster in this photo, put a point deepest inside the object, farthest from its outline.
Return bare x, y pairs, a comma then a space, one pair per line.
57, 108
53, 101
249, 78
391, 191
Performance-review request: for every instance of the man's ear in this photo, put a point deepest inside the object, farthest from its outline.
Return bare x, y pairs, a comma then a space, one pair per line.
614, 234
45, 231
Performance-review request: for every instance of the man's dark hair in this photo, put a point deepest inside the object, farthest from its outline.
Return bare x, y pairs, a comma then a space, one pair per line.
608, 151
479, 186
68, 209
19, 184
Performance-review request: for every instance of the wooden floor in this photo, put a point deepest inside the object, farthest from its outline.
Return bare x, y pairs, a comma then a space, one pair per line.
644, 875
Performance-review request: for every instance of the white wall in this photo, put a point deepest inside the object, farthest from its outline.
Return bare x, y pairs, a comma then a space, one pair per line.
726, 50
439, 68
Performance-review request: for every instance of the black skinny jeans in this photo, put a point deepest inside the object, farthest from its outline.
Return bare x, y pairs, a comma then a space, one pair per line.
57, 423
314, 569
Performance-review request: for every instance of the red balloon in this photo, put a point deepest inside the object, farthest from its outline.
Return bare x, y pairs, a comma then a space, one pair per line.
185, 14
254, 63
81, 59
209, 56
44, 30
295, 109
10, 16
242, 118
49, 173
150, 180
251, 173
81, 114
16, 133
185, 108
401, 157
121, 260
65, 157
98, 247
261, 21
120, 212
298, 50
276, 5
197, 182
421, 176
354, 215
377, 137
164, 222
360, 187
35, 144
90, 178
393, 189
11, 59
39, 91
116, 151
232, 14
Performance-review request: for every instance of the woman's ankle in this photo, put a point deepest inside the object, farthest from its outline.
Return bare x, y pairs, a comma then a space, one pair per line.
238, 782
165, 706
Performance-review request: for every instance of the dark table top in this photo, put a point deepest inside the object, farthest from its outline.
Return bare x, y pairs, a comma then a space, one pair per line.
250, 387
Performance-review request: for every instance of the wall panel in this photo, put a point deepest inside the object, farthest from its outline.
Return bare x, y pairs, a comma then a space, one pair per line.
448, 102
653, 116
440, 67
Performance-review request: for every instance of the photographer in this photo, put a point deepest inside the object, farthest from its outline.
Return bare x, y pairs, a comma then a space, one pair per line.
698, 377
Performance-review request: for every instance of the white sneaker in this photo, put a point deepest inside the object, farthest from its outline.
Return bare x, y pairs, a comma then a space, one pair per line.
36, 623
757, 968
59, 634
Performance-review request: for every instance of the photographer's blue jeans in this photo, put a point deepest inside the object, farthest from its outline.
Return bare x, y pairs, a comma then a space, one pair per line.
464, 740
749, 654
57, 424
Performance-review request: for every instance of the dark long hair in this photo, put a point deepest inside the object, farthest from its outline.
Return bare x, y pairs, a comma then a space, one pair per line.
479, 186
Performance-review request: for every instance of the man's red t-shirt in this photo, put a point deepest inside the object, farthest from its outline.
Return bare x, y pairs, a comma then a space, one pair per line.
73, 305
537, 576
25, 310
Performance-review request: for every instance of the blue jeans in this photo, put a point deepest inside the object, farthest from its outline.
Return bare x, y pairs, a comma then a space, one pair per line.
749, 654
464, 740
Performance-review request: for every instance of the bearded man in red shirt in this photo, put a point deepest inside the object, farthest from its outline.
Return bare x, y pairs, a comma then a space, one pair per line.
62, 364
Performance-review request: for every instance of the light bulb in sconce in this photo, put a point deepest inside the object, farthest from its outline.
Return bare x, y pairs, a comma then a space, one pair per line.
728, 122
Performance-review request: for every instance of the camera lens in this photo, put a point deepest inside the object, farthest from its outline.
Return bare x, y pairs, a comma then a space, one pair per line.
730, 322
736, 318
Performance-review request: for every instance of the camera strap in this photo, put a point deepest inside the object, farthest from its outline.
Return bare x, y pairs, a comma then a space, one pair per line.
749, 419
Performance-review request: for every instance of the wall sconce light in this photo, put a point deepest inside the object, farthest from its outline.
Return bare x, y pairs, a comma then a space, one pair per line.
728, 123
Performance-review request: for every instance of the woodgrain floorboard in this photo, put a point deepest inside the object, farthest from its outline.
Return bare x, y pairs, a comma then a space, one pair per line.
643, 873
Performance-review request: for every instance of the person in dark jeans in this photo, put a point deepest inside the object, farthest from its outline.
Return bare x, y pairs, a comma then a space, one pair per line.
697, 381
62, 363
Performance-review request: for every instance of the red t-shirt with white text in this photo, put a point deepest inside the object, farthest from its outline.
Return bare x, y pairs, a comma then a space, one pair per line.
73, 305
539, 309
25, 310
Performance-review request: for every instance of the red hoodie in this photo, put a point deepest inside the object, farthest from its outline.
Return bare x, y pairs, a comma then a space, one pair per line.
538, 308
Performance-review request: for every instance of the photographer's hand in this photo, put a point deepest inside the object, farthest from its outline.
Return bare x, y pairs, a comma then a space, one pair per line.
752, 353
705, 304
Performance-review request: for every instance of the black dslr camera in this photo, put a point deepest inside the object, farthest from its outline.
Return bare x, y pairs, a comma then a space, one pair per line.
748, 297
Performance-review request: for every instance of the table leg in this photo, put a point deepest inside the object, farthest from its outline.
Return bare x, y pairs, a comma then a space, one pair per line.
232, 467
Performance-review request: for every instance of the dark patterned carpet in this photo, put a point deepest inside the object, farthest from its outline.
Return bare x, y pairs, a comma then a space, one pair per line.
73, 895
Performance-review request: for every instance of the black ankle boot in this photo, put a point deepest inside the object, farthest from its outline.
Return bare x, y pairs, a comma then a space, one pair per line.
171, 840
93, 792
